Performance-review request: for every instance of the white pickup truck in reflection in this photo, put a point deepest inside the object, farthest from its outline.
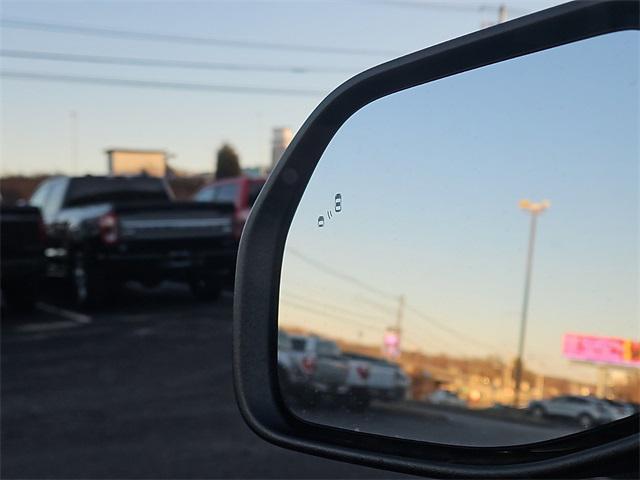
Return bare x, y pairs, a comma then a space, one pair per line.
372, 378
311, 368
314, 370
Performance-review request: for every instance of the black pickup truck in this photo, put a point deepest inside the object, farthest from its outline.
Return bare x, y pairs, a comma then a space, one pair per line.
22, 262
104, 230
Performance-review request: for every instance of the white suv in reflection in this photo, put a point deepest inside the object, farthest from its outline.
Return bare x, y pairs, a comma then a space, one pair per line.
586, 411
444, 397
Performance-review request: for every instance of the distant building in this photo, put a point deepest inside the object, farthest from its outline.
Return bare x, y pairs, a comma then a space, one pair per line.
281, 140
135, 162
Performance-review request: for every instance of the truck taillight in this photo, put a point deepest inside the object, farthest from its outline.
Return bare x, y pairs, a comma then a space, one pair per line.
363, 371
108, 224
308, 365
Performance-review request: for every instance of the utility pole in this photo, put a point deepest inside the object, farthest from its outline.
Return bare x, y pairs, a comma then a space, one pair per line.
502, 17
392, 340
534, 209
502, 13
400, 315
399, 321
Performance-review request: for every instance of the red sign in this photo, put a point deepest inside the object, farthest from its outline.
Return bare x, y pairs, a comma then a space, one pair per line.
604, 350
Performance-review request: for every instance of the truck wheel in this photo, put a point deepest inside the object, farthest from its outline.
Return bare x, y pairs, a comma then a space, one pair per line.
86, 288
205, 289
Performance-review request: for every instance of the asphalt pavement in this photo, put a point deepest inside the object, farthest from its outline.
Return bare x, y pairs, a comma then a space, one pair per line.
141, 389
432, 423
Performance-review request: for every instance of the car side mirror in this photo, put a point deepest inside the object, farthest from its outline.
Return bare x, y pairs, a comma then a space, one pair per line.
404, 225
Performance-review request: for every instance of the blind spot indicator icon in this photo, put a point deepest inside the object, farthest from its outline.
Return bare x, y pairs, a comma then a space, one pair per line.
338, 202
320, 221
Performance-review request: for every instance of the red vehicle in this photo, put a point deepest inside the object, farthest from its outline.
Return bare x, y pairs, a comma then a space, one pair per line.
241, 191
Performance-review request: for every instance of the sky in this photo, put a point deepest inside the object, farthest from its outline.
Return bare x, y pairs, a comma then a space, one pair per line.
37, 126
430, 179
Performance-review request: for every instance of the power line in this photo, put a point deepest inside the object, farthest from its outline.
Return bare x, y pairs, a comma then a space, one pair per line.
347, 278
184, 39
320, 311
451, 6
122, 82
445, 6
330, 306
329, 315
458, 334
378, 305
156, 62
433, 346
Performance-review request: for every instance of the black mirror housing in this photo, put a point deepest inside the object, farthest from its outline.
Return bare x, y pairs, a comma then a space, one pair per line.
607, 450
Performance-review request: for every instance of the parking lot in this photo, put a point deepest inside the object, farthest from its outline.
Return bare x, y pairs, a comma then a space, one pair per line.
144, 388
421, 421
141, 389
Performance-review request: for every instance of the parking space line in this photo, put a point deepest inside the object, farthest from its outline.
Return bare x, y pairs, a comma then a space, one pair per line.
46, 327
75, 317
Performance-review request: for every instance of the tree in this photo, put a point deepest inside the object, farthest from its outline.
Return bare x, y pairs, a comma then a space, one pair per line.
228, 164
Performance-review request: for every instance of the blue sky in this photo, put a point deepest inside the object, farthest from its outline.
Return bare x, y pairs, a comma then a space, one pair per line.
36, 138
430, 180
36, 122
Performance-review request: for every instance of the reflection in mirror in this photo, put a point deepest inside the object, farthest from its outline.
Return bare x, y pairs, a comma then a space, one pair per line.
463, 266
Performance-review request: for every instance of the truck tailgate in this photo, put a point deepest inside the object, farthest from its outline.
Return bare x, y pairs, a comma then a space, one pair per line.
172, 221
331, 371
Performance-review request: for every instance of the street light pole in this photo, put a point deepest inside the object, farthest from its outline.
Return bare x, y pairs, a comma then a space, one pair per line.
534, 209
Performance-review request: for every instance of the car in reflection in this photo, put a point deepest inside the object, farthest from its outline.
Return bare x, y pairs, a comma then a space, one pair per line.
586, 411
623, 409
446, 398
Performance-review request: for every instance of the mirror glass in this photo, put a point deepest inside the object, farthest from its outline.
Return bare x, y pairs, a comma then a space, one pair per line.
463, 266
